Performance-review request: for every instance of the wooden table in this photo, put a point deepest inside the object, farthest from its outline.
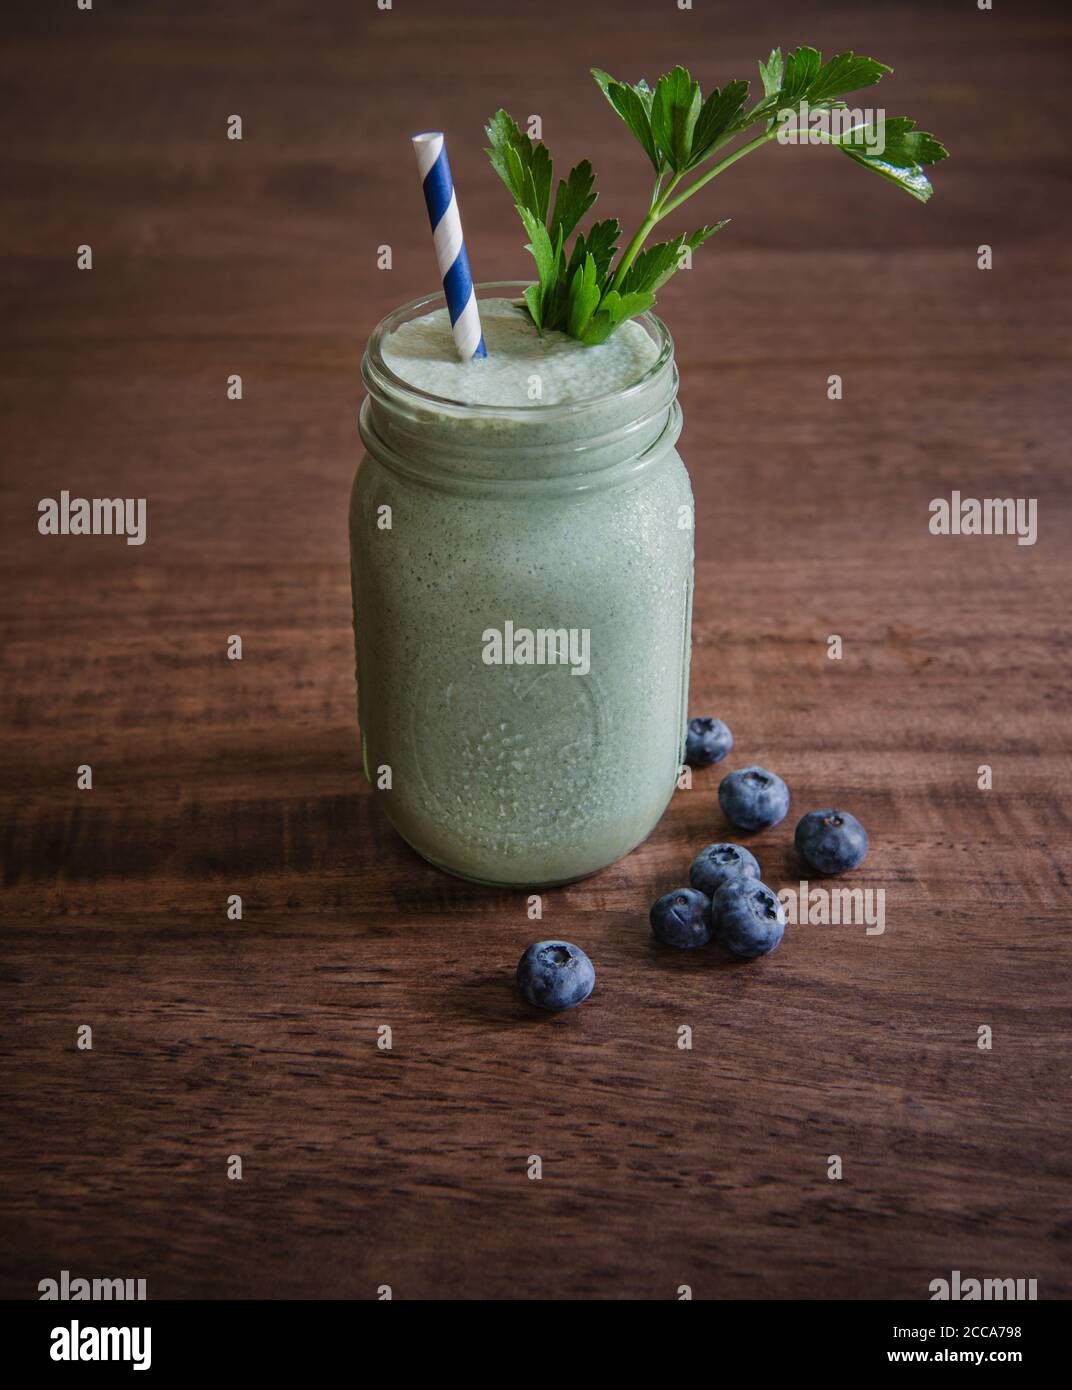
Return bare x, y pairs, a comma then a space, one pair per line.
212, 777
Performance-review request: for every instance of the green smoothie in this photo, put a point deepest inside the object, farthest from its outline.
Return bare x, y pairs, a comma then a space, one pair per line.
521, 541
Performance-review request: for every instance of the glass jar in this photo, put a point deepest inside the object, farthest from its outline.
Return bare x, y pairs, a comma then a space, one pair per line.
522, 594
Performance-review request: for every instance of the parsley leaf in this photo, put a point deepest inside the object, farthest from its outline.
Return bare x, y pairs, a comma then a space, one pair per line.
525, 168
634, 105
584, 296
573, 198
546, 258
719, 115
845, 73
601, 242
653, 267
801, 70
803, 77
772, 72
674, 110
903, 153
614, 309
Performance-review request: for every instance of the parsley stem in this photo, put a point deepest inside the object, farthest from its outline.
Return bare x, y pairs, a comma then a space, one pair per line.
662, 205
812, 133
656, 212
716, 169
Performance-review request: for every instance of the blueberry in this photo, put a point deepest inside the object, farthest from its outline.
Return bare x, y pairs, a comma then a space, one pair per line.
555, 975
682, 918
831, 841
753, 798
717, 864
748, 918
707, 741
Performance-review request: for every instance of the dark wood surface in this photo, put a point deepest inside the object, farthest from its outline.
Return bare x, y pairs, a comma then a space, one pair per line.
662, 1167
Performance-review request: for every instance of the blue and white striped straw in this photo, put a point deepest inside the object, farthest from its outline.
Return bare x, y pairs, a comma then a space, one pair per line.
431, 152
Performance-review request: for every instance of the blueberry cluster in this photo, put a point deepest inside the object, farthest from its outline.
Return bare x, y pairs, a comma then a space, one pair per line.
726, 899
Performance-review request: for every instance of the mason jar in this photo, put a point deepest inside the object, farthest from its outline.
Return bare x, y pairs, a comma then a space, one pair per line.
522, 595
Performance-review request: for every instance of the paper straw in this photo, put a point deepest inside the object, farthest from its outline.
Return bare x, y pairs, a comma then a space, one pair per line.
431, 152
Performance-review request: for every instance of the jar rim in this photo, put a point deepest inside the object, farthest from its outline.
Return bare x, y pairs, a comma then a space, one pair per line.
377, 375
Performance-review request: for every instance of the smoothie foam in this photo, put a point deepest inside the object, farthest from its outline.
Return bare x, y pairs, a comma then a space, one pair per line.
422, 353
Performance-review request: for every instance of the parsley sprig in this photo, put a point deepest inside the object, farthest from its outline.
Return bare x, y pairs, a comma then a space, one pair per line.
581, 289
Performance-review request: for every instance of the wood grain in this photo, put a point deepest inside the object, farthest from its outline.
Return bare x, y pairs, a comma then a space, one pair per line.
662, 1167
